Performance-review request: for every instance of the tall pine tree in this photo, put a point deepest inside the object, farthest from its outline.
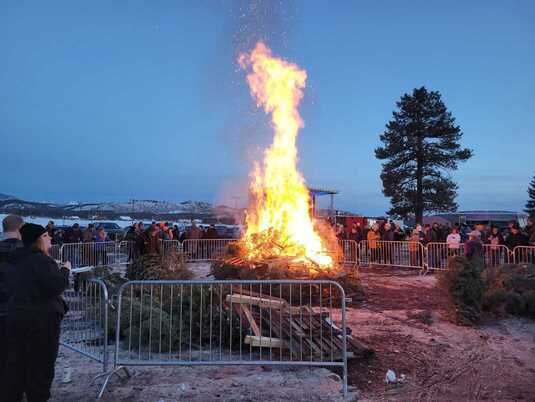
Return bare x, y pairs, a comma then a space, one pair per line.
530, 204
420, 146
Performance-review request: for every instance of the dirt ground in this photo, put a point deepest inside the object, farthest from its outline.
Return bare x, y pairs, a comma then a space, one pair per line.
406, 319
402, 316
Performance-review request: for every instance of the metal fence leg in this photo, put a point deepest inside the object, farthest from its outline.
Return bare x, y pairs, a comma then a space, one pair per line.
107, 378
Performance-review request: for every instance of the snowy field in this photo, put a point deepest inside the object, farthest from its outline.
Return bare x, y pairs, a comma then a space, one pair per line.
67, 222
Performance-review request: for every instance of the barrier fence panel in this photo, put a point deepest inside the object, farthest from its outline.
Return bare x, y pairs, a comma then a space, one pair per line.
438, 254
400, 254
524, 255
391, 253
54, 252
84, 328
174, 323
89, 254
205, 249
125, 252
495, 255
367, 252
350, 252
169, 246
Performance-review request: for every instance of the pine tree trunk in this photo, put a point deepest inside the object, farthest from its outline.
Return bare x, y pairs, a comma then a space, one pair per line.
419, 202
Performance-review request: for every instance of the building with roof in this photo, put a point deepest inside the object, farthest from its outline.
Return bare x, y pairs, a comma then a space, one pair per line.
498, 218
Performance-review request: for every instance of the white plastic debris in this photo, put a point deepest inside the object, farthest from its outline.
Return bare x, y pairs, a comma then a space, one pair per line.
67, 375
390, 377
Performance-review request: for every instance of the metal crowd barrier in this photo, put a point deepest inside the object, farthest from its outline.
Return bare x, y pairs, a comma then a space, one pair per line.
350, 250
204, 249
169, 246
84, 328
495, 255
433, 256
438, 254
54, 252
97, 253
89, 254
392, 253
524, 255
190, 323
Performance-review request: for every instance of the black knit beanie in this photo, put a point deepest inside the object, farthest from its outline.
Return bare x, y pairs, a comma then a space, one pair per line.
30, 232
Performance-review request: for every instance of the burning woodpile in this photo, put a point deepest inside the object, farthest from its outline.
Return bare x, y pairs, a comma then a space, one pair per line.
233, 265
282, 239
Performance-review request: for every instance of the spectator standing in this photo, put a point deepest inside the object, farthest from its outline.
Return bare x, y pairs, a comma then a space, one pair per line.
194, 233
516, 238
35, 311
421, 232
51, 229
73, 234
495, 239
356, 232
454, 242
211, 232
473, 249
100, 247
89, 233
387, 248
373, 236
414, 248
11, 242
153, 240
530, 227
176, 232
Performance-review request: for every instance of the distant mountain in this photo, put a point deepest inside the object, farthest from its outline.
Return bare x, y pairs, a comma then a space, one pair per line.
138, 209
143, 206
6, 197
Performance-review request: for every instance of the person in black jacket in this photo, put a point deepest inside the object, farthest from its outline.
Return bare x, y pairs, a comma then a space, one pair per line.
10, 243
35, 311
516, 238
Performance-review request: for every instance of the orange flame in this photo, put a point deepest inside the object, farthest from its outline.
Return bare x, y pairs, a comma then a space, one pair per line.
278, 221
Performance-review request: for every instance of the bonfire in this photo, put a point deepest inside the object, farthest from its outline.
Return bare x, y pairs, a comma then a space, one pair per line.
280, 230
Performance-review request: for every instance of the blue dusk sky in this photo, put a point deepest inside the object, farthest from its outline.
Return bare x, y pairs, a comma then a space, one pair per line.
110, 100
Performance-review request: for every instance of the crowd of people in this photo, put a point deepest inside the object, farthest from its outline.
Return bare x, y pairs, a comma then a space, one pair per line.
452, 235
149, 241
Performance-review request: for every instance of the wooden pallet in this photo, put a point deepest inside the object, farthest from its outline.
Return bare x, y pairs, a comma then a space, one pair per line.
304, 333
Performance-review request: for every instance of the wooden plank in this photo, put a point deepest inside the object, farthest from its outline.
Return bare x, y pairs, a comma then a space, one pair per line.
256, 301
265, 342
249, 316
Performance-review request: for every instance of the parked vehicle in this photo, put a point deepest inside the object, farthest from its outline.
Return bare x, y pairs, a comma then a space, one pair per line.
114, 231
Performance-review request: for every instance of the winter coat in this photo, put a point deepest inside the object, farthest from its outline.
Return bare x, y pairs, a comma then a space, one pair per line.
372, 239
388, 235
8, 247
532, 239
73, 236
211, 233
495, 241
473, 249
88, 235
514, 240
414, 240
36, 283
